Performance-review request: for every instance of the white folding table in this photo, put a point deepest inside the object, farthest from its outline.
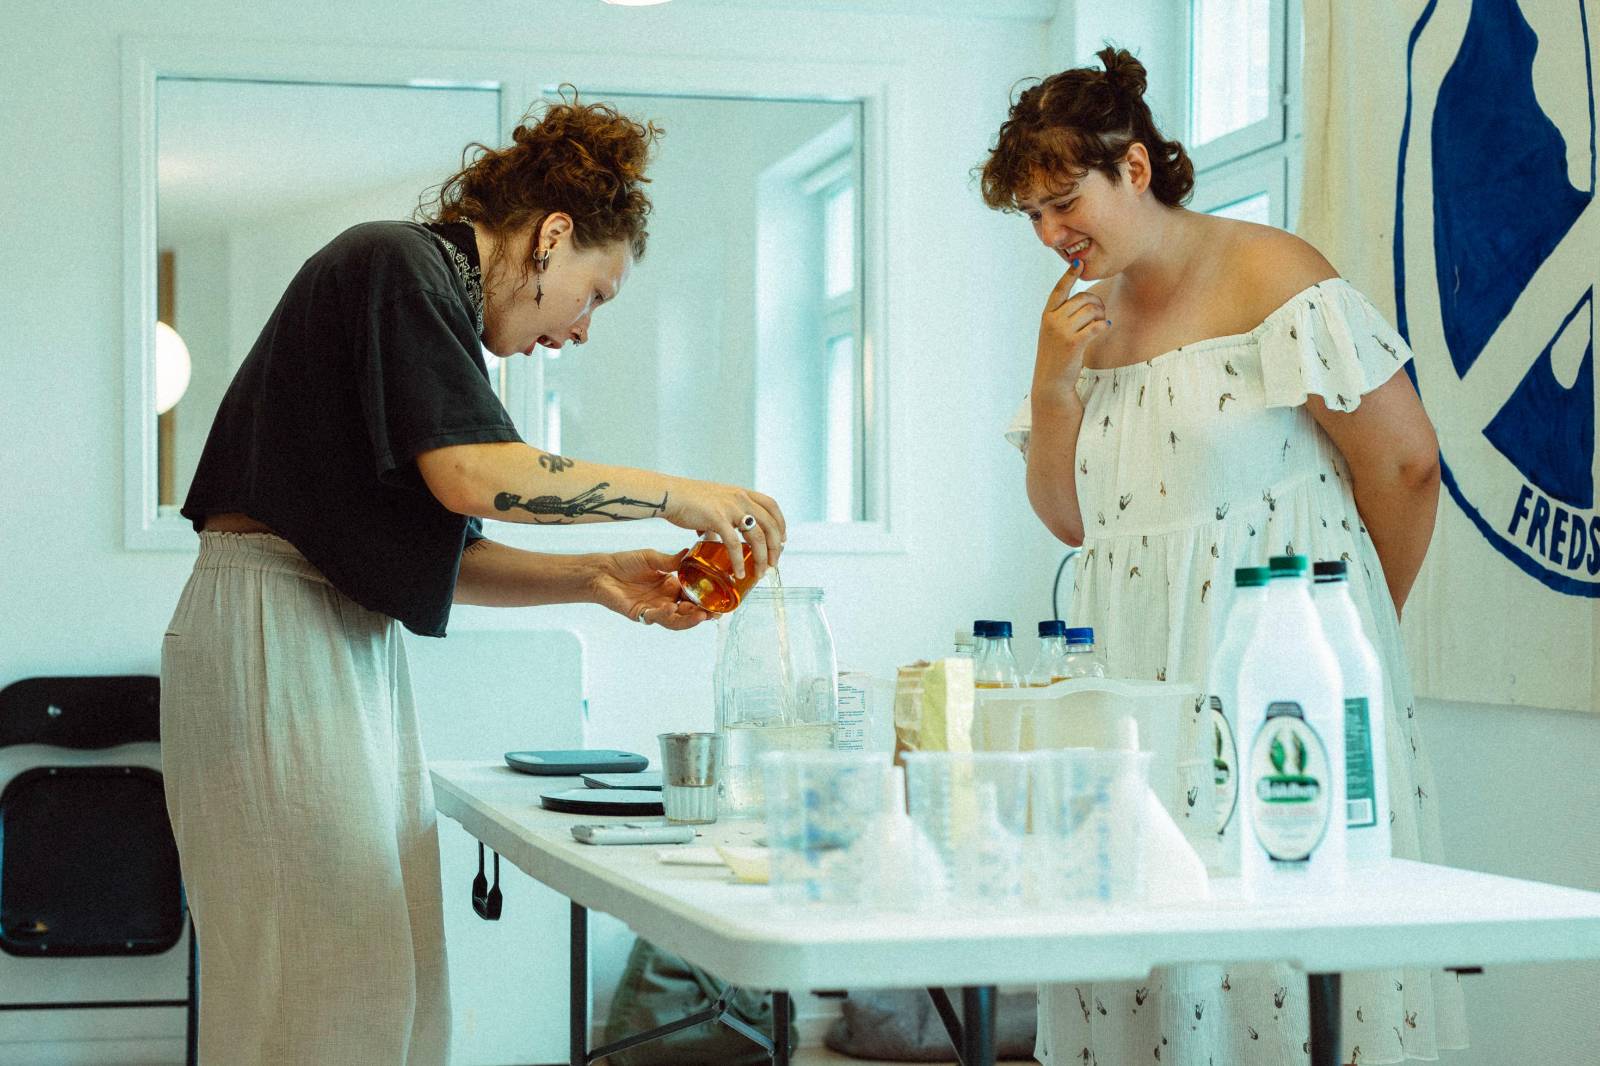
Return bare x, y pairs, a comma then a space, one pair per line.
1400, 914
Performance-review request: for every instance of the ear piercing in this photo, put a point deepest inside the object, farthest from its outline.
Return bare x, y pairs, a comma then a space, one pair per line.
541, 261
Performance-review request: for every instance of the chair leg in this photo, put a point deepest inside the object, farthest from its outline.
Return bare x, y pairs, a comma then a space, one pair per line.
192, 1035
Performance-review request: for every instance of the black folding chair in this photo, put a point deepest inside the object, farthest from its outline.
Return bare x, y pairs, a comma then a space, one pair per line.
88, 864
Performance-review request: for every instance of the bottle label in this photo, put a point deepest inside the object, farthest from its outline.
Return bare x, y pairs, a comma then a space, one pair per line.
1360, 790
851, 734
1224, 765
1289, 774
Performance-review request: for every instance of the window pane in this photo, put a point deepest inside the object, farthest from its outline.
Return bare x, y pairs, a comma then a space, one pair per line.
552, 422
841, 448
1257, 208
1232, 76
839, 240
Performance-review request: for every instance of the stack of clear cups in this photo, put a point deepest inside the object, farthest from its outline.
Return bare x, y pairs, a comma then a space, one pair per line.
973, 806
1088, 817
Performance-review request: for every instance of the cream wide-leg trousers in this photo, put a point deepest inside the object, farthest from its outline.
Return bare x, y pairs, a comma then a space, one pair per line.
300, 798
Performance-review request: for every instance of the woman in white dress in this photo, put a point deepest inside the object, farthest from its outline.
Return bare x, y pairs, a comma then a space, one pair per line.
1217, 396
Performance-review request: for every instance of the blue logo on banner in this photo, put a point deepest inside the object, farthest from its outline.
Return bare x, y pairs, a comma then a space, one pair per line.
1502, 317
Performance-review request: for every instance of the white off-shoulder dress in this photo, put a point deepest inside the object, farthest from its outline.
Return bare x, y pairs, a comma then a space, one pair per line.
1193, 463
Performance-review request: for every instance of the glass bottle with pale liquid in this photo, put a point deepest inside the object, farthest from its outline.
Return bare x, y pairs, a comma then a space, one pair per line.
996, 724
995, 666
1291, 727
1050, 665
1065, 652
777, 688
1082, 658
979, 640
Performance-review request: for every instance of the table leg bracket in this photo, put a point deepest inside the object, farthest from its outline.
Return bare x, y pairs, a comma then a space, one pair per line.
776, 1046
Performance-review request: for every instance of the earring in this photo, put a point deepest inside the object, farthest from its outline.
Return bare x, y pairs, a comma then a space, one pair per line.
540, 261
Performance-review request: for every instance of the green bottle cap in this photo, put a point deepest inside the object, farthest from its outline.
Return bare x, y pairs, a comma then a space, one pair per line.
1289, 565
1250, 577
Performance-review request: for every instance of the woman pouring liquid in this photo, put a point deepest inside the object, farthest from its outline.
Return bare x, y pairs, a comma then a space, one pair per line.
1216, 396
340, 496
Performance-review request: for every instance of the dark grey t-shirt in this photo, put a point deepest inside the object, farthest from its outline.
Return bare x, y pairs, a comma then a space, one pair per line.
371, 357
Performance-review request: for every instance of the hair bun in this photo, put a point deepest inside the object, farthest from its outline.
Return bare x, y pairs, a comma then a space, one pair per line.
1123, 70
585, 160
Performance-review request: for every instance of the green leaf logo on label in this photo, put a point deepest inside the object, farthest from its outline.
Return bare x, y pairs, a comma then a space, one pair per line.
1288, 780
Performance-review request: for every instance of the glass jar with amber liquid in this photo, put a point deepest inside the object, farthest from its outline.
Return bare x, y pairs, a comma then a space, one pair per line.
706, 573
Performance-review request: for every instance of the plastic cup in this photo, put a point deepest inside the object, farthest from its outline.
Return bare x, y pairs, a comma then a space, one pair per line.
818, 804
689, 777
974, 808
1088, 824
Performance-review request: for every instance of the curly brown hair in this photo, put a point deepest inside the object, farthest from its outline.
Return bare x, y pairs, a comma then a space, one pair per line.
1081, 120
585, 160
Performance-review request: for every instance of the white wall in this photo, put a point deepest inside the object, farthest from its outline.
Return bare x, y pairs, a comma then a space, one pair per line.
201, 316
1517, 796
959, 342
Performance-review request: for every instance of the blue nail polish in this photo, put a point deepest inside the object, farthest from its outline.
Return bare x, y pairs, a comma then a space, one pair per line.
1076, 263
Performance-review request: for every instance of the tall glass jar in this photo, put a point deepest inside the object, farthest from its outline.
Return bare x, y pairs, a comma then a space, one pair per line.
776, 688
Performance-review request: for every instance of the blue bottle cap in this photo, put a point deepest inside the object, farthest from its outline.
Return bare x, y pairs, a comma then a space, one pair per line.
1080, 635
1000, 630
1054, 627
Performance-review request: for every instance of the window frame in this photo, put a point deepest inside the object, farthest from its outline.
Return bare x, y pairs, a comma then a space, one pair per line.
1268, 132
1276, 167
1228, 185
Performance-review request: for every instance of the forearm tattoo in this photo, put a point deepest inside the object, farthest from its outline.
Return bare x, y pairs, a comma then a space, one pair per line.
553, 510
555, 463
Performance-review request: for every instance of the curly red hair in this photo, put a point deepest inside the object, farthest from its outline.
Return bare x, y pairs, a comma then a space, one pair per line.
584, 160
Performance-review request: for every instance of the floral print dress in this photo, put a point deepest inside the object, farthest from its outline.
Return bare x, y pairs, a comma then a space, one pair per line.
1189, 465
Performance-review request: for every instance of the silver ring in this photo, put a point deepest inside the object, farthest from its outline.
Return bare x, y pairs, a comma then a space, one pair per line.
641, 617
747, 522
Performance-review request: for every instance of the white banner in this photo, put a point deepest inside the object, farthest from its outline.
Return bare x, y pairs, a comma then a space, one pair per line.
1451, 174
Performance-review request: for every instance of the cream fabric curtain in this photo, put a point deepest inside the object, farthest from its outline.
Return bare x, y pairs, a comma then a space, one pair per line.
1450, 175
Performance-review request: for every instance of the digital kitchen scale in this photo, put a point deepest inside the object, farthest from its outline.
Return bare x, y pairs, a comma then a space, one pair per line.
573, 763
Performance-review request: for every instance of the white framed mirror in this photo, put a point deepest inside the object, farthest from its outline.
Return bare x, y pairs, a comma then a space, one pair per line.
749, 349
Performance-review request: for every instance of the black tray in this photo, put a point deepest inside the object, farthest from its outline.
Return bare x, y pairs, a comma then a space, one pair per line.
603, 801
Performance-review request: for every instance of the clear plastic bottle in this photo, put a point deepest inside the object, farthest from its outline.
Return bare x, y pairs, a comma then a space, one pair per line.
1291, 717
1365, 755
995, 665
1082, 660
1050, 665
1222, 686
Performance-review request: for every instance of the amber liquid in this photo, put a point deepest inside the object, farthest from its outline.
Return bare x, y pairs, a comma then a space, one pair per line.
706, 574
